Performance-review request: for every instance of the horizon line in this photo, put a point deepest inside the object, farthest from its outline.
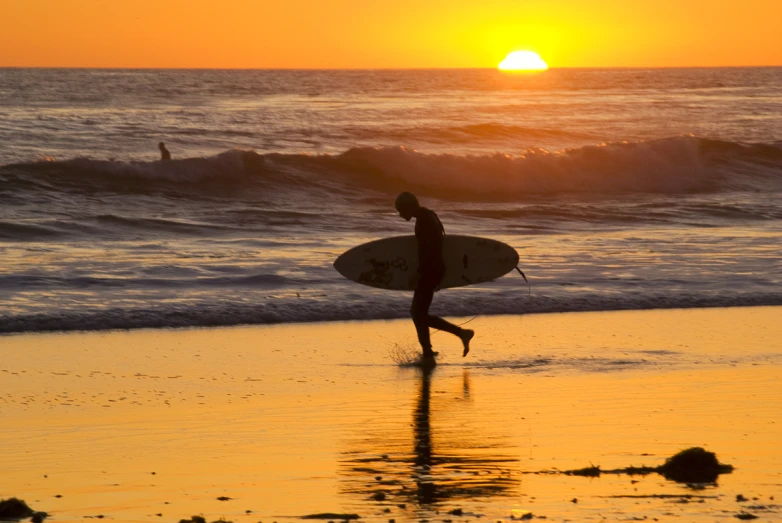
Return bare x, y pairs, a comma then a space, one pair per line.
154, 68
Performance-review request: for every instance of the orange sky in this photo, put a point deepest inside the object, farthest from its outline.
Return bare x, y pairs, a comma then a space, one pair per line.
387, 34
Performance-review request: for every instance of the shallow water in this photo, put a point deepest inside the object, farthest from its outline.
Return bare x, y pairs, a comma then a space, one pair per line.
301, 419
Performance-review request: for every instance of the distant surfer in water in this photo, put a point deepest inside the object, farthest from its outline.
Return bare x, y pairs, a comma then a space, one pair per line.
164, 154
429, 232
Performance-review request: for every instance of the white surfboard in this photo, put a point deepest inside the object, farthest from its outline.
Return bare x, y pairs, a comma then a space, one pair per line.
388, 263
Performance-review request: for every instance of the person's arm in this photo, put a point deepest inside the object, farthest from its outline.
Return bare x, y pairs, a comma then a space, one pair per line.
430, 245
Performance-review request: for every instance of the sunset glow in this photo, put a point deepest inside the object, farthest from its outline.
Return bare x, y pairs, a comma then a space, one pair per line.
523, 61
345, 34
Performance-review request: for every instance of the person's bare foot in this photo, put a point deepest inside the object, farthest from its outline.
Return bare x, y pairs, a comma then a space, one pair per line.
466, 335
427, 358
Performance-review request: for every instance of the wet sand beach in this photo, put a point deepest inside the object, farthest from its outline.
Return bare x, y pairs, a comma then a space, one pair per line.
290, 420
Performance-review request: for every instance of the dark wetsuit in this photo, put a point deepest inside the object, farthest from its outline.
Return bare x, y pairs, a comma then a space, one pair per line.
430, 235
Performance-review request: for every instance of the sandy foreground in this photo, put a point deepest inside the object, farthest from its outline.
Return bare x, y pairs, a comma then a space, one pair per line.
291, 420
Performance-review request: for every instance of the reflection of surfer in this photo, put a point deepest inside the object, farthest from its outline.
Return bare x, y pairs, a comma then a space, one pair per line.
422, 434
431, 268
414, 471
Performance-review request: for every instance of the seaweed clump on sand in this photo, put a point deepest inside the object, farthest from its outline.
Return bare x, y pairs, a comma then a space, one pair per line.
14, 509
589, 472
201, 519
332, 516
694, 465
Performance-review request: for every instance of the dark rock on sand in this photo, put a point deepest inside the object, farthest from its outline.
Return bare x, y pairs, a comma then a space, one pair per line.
745, 515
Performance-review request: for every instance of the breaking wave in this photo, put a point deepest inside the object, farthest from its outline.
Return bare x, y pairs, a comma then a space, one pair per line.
681, 164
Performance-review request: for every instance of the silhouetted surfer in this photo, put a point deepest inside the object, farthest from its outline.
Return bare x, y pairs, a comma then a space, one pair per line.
164, 154
431, 268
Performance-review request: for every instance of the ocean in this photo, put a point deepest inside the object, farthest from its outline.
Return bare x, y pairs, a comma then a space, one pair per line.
619, 188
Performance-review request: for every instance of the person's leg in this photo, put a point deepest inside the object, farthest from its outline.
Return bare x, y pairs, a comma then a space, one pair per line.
464, 334
422, 299
438, 323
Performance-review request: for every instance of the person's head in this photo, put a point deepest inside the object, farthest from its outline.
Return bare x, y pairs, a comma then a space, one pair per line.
161, 146
407, 205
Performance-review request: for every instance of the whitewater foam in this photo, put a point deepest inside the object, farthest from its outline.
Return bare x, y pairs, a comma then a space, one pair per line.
335, 307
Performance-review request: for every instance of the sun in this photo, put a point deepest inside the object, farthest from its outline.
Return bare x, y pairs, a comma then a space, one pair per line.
522, 61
